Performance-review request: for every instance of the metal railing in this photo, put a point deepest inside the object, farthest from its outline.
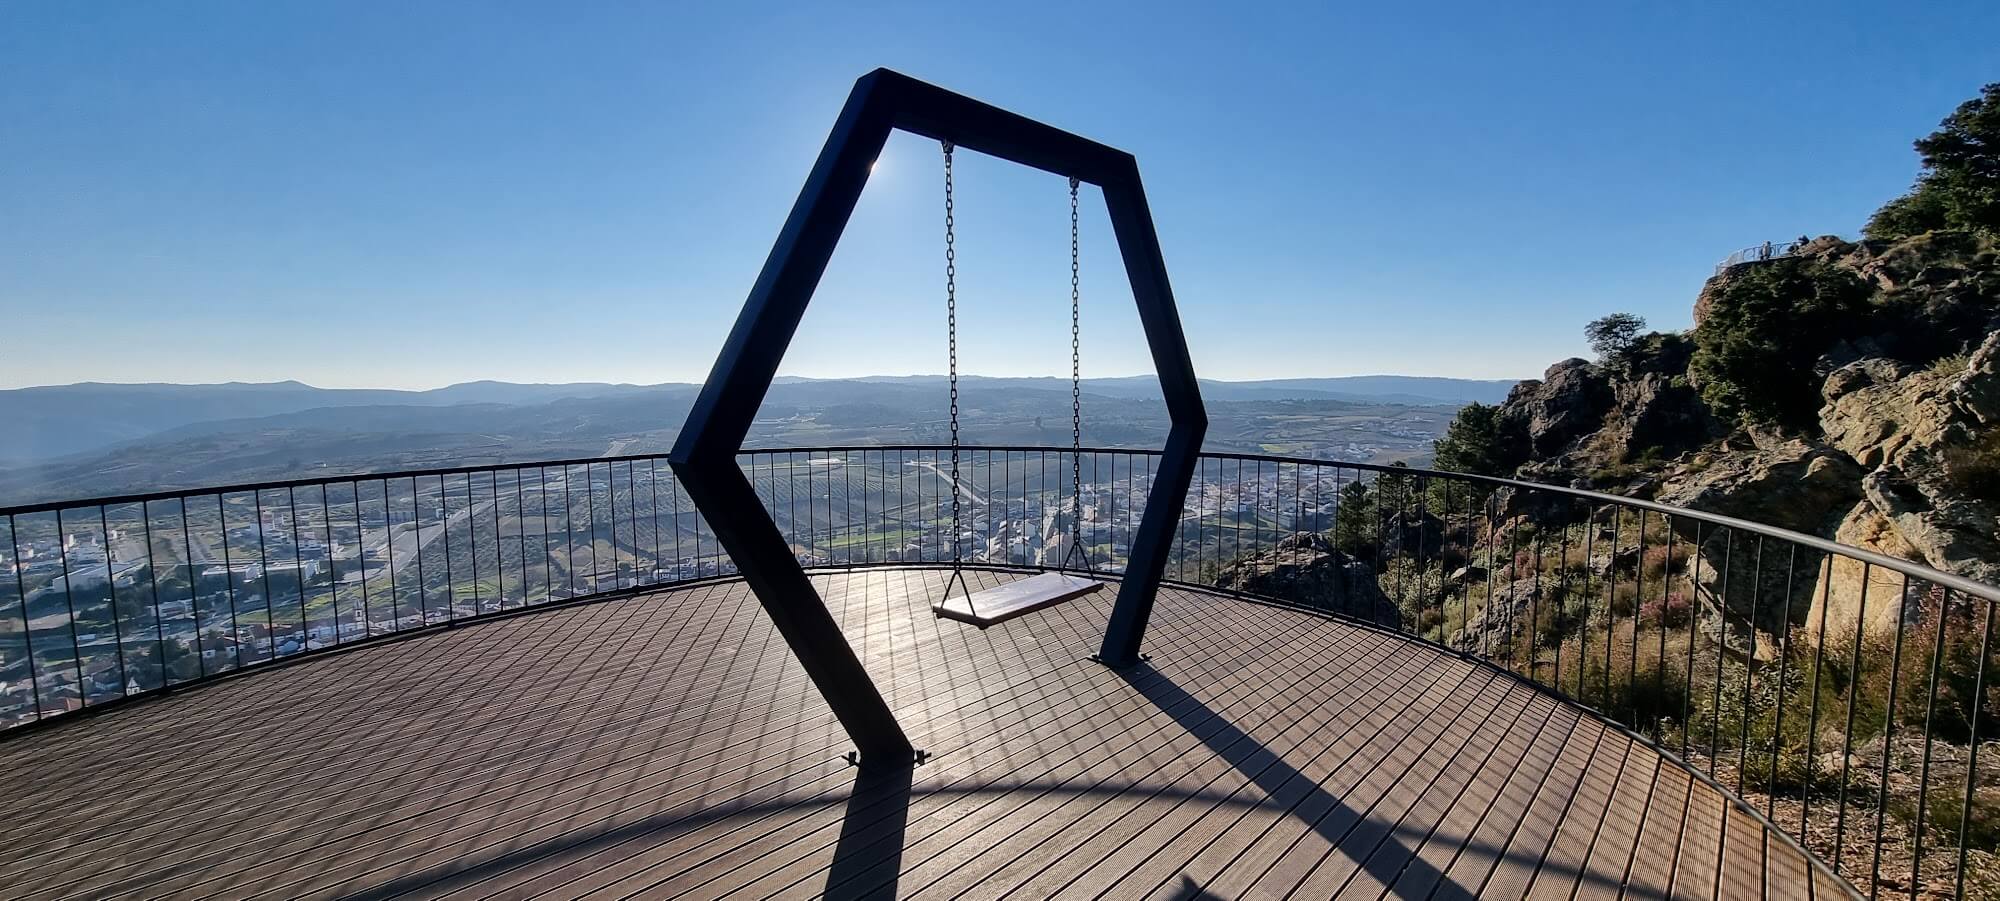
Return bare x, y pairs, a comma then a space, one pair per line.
1762, 253
1840, 694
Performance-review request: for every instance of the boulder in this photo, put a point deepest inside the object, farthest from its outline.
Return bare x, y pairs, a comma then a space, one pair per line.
1877, 408
1912, 428
1975, 392
1943, 528
1766, 477
1771, 479
1305, 569
1839, 608
1654, 414
1501, 622
1568, 403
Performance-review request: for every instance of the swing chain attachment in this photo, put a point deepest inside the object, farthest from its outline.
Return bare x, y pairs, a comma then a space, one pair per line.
951, 345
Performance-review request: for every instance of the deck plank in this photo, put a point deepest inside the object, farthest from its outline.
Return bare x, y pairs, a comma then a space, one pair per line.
668, 744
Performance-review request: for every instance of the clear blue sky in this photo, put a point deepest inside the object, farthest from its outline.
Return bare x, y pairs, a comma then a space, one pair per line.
408, 195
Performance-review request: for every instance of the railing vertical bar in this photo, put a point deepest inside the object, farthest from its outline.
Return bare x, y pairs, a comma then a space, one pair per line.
611, 514
1922, 818
332, 568
111, 588
264, 577
590, 514
1889, 732
152, 577
1563, 594
1784, 671
569, 532
1638, 604
299, 567
69, 603
1513, 580
1611, 607
1749, 663
1534, 610
194, 593
1812, 710
423, 583
653, 487
228, 580
1847, 734
389, 552
1417, 494
1721, 646
1492, 545
27, 621
1465, 586
472, 545
1660, 667
1236, 533
450, 573
632, 505
360, 557
1446, 532
1972, 753
1589, 592
1694, 619
544, 548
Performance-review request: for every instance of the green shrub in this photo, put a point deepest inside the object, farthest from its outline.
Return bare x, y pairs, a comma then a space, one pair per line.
1974, 469
1946, 804
1482, 441
1645, 694
1764, 328
1960, 183
1614, 336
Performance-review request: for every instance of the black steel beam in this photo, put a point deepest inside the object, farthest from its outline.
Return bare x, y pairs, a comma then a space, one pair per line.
704, 457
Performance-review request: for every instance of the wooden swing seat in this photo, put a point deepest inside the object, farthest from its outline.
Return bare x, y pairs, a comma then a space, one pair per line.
1020, 597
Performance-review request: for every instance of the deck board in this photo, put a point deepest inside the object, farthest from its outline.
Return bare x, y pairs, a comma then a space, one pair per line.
668, 745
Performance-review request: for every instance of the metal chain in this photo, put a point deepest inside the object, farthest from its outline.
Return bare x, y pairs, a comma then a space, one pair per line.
1075, 384
951, 344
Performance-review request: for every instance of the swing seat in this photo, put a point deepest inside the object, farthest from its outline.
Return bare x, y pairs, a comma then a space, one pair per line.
1015, 599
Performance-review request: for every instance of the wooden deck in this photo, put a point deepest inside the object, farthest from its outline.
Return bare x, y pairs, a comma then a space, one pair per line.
669, 746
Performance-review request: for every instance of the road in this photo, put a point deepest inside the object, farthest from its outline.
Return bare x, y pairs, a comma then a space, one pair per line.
406, 542
945, 477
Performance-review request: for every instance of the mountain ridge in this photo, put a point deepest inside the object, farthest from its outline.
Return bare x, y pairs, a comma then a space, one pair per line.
54, 422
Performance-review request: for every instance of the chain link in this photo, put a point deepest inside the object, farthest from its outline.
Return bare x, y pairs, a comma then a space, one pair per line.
951, 345
1075, 383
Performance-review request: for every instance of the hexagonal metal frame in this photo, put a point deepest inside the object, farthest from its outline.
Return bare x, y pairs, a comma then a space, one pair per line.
704, 457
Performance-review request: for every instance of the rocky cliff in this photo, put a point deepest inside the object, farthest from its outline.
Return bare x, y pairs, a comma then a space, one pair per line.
1901, 357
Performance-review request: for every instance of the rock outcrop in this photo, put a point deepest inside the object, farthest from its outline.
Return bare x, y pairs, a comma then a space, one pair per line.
1598, 425
1305, 569
1768, 478
1902, 458
1840, 609
1569, 402
1919, 431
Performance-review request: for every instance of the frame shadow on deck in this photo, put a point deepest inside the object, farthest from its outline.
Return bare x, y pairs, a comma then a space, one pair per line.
668, 745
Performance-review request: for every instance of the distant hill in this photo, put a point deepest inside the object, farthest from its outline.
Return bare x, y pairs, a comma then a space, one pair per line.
53, 423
